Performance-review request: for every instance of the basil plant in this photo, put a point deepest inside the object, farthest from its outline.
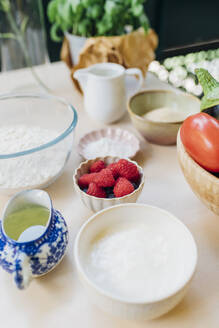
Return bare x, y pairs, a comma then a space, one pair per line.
96, 17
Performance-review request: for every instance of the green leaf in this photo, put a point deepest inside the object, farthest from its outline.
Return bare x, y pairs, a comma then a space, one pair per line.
94, 12
74, 4
84, 27
64, 10
138, 10
109, 7
104, 26
54, 33
144, 22
137, 2
87, 3
79, 13
52, 11
7, 36
24, 24
5, 5
210, 87
112, 8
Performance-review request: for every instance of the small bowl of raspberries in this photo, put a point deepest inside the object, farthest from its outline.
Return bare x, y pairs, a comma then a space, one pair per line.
108, 181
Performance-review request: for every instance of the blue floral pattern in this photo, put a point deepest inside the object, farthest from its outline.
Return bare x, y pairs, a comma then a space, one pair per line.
43, 254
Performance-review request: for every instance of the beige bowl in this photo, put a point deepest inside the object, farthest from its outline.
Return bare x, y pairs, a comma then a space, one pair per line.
204, 184
96, 204
160, 132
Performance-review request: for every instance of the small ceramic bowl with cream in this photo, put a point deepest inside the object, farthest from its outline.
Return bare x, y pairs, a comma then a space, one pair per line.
135, 261
158, 114
96, 203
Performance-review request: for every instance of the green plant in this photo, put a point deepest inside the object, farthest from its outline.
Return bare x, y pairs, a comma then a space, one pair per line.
210, 87
96, 17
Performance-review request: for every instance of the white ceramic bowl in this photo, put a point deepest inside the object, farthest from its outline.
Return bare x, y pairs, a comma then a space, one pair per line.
95, 203
118, 135
148, 307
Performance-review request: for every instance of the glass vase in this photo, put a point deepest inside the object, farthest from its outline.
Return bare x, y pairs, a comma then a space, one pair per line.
22, 35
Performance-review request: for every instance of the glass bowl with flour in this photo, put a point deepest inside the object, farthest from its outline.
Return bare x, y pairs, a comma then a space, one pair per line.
36, 133
135, 261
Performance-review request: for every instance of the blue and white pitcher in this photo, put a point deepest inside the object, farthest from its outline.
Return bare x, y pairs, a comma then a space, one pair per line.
39, 248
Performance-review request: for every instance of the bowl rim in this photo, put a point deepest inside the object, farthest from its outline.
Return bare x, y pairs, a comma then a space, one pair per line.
104, 130
104, 292
64, 134
207, 174
183, 94
108, 199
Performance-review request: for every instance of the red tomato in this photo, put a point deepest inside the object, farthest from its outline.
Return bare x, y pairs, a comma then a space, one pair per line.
200, 137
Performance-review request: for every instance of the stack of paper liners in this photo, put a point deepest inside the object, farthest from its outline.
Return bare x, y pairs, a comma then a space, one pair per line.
135, 49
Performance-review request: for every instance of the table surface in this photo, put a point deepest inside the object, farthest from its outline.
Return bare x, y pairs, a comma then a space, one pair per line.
58, 299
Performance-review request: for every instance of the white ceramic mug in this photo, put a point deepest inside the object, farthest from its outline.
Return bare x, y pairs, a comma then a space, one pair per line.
104, 90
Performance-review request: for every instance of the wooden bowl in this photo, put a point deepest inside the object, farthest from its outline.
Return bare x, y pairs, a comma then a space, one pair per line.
204, 184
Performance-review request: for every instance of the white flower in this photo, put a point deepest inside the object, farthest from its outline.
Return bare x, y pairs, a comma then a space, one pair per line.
163, 74
189, 84
154, 66
174, 79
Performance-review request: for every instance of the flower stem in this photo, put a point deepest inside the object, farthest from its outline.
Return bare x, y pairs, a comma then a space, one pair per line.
20, 39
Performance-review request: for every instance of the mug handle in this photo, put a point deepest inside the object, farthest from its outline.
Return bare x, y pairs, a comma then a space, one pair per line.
136, 71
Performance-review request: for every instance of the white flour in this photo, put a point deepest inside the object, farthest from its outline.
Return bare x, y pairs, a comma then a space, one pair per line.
33, 169
107, 147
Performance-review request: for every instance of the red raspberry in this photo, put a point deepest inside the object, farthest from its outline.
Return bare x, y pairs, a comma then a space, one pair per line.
127, 170
97, 166
113, 168
96, 191
104, 178
86, 179
122, 187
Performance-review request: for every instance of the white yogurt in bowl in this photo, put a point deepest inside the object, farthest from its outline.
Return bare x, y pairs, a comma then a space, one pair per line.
136, 259
167, 115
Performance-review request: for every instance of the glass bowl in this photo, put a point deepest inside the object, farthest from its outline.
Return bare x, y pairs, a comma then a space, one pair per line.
36, 133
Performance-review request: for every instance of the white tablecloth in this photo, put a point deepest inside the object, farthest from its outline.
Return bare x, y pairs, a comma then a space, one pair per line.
57, 299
